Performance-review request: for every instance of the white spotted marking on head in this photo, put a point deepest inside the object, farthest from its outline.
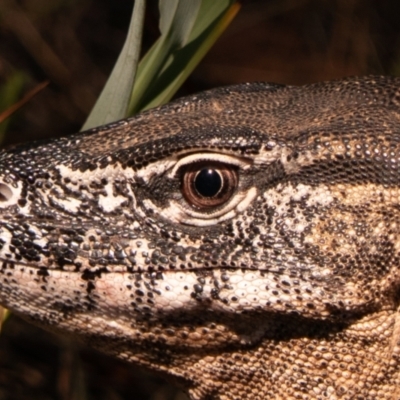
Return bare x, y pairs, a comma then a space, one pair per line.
70, 204
77, 177
155, 168
110, 202
281, 195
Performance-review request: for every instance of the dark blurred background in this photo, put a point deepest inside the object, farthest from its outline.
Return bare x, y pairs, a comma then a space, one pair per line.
74, 44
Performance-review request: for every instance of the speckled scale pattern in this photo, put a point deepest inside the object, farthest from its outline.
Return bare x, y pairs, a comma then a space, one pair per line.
290, 290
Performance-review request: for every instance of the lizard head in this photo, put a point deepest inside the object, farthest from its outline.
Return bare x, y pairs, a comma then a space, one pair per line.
243, 219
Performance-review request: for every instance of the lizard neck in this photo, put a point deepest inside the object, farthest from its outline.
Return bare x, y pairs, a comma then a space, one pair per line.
327, 359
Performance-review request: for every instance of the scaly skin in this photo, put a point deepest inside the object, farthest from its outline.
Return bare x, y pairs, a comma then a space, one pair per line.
287, 288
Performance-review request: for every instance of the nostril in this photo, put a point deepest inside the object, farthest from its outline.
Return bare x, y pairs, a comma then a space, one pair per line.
5, 192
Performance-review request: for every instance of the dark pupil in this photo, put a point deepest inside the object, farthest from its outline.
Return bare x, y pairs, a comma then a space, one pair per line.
208, 182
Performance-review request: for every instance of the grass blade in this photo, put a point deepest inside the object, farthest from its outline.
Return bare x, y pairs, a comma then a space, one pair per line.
20, 103
9, 94
169, 62
177, 18
113, 101
185, 60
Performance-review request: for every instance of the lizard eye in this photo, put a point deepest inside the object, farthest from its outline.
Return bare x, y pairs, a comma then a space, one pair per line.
213, 187
206, 185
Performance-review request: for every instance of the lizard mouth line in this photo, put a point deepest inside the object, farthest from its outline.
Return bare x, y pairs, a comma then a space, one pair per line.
128, 269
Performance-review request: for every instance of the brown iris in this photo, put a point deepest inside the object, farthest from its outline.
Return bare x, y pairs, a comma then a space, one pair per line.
209, 184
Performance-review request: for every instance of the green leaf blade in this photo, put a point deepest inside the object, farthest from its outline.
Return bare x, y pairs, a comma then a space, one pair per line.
212, 19
177, 18
113, 101
9, 94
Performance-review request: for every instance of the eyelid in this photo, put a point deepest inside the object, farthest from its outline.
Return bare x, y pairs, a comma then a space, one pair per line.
179, 211
185, 215
243, 163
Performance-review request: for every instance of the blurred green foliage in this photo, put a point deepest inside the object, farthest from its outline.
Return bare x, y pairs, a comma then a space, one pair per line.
10, 92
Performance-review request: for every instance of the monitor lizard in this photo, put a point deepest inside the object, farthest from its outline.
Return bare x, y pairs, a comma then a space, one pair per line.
244, 241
